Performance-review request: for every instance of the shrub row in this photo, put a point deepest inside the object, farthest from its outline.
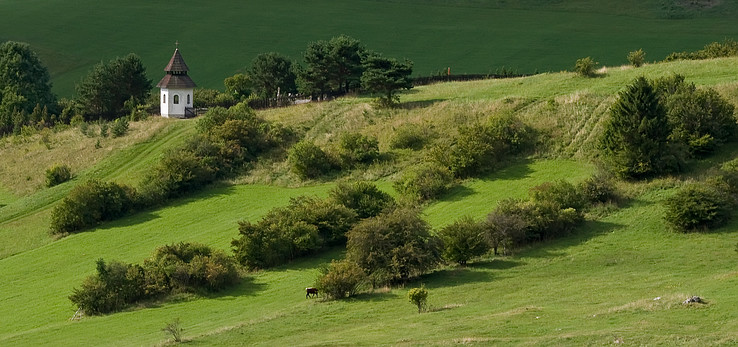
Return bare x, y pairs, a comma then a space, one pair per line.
182, 267
306, 225
227, 140
397, 245
727, 48
308, 160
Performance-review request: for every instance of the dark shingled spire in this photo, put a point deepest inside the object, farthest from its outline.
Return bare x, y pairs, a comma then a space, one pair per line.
176, 77
177, 63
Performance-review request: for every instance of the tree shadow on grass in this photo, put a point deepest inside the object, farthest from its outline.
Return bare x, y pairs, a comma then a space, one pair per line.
495, 264
411, 105
457, 193
451, 277
514, 170
374, 296
246, 287
557, 247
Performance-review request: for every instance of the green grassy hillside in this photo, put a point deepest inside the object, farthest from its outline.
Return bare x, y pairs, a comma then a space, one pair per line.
596, 286
470, 36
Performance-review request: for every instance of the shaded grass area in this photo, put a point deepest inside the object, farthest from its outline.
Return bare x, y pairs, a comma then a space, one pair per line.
467, 36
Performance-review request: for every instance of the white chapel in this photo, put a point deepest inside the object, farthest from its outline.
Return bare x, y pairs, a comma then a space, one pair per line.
177, 89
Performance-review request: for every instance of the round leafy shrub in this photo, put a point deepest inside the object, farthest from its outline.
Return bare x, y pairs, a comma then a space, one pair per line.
424, 182
463, 240
419, 298
58, 174
700, 118
598, 189
309, 161
698, 207
362, 197
355, 148
340, 279
393, 246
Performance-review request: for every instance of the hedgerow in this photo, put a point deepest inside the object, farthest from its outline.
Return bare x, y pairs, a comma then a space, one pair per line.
182, 267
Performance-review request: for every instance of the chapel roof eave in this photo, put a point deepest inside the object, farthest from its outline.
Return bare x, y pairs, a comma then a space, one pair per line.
176, 82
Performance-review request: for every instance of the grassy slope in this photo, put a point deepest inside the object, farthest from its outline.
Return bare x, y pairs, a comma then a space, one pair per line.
210, 218
470, 36
610, 269
24, 219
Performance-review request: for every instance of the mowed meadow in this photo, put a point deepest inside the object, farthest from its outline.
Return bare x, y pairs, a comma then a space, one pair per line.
597, 286
219, 39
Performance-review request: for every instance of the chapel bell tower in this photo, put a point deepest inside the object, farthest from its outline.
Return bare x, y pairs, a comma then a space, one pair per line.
177, 89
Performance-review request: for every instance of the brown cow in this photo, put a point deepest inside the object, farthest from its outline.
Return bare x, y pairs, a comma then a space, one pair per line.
311, 291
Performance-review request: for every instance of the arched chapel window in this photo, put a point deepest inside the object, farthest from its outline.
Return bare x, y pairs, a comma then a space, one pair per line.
188, 99
163, 98
176, 99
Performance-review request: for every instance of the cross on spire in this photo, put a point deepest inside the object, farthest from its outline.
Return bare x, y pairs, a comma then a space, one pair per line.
176, 44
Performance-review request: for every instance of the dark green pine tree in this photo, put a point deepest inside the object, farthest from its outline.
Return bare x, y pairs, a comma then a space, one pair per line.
635, 139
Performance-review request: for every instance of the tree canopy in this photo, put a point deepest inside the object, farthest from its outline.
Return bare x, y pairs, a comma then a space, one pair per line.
385, 76
272, 73
103, 92
332, 67
24, 84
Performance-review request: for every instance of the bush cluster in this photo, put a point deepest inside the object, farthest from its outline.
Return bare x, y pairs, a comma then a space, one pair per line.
91, 203
355, 148
727, 48
700, 119
552, 211
655, 125
183, 267
303, 227
424, 182
478, 148
58, 174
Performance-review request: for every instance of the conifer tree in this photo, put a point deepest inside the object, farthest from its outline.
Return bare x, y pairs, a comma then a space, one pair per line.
635, 139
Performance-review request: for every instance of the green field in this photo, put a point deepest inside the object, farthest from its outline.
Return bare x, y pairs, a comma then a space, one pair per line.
594, 287
220, 38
